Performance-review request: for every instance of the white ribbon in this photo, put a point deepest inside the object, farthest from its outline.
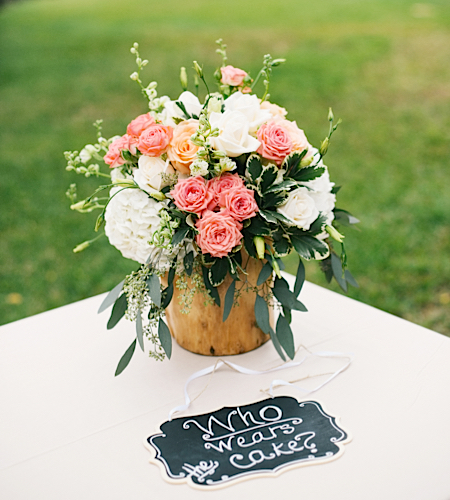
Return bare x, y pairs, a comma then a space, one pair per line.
275, 383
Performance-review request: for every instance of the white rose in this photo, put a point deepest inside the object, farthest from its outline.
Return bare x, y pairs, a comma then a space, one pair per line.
248, 105
234, 137
300, 208
149, 174
131, 218
320, 192
190, 102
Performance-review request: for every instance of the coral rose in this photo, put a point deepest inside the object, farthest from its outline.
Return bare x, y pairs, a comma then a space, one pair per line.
139, 124
240, 203
155, 139
182, 152
125, 143
232, 76
220, 184
275, 141
298, 137
218, 234
191, 195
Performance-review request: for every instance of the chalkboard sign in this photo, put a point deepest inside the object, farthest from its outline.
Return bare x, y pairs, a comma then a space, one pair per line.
266, 437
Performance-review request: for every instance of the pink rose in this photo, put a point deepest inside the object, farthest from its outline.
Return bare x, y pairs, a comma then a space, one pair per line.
155, 139
275, 141
232, 76
218, 234
240, 203
191, 195
139, 124
125, 143
223, 183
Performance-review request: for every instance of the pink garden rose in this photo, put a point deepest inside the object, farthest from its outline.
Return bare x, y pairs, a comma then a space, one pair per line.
298, 137
218, 234
232, 76
113, 157
191, 194
275, 141
155, 139
139, 124
220, 184
240, 203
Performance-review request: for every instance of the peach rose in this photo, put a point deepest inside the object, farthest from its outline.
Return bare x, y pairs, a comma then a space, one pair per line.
218, 234
191, 195
240, 203
223, 183
182, 152
275, 141
275, 110
125, 143
232, 76
155, 139
298, 137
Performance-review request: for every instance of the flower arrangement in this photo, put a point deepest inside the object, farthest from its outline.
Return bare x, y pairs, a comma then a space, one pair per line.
194, 184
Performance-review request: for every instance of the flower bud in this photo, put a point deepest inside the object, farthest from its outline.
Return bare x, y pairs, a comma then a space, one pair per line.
157, 195
82, 246
260, 246
335, 234
78, 206
134, 76
183, 78
306, 161
198, 69
330, 115
324, 146
277, 62
276, 268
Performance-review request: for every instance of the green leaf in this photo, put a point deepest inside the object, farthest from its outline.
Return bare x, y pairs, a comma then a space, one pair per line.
317, 226
154, 289
254, 168
275, 199
281, 186
171, 276
165, 337
179, 236
212, 291
292, 162
139, 330
284, 334
166, 296
118, 311
282, 247
345, 218
265, 273
188, 262
268, 177
336, 266
249, 245
350, 279
218, 272
111, 297
287, 314
308, 174
183, 109
307, 246
299, 278
258, 227
276, 344
262, 314
285, 296
267, 215
229, 300
125, 359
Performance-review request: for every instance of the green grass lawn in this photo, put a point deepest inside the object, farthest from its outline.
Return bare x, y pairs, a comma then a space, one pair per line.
383, 66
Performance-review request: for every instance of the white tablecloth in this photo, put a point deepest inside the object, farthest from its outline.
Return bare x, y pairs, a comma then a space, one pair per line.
70, 430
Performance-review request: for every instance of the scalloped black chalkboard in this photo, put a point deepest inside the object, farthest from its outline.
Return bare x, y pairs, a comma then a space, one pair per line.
214, 449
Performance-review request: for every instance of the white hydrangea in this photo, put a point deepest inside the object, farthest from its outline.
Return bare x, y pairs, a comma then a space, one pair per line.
131, 219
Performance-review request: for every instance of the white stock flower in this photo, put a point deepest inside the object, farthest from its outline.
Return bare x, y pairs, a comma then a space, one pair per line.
300, 208
234, 137
199, 167
249, 106
131, 219
149, 175
87, 153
